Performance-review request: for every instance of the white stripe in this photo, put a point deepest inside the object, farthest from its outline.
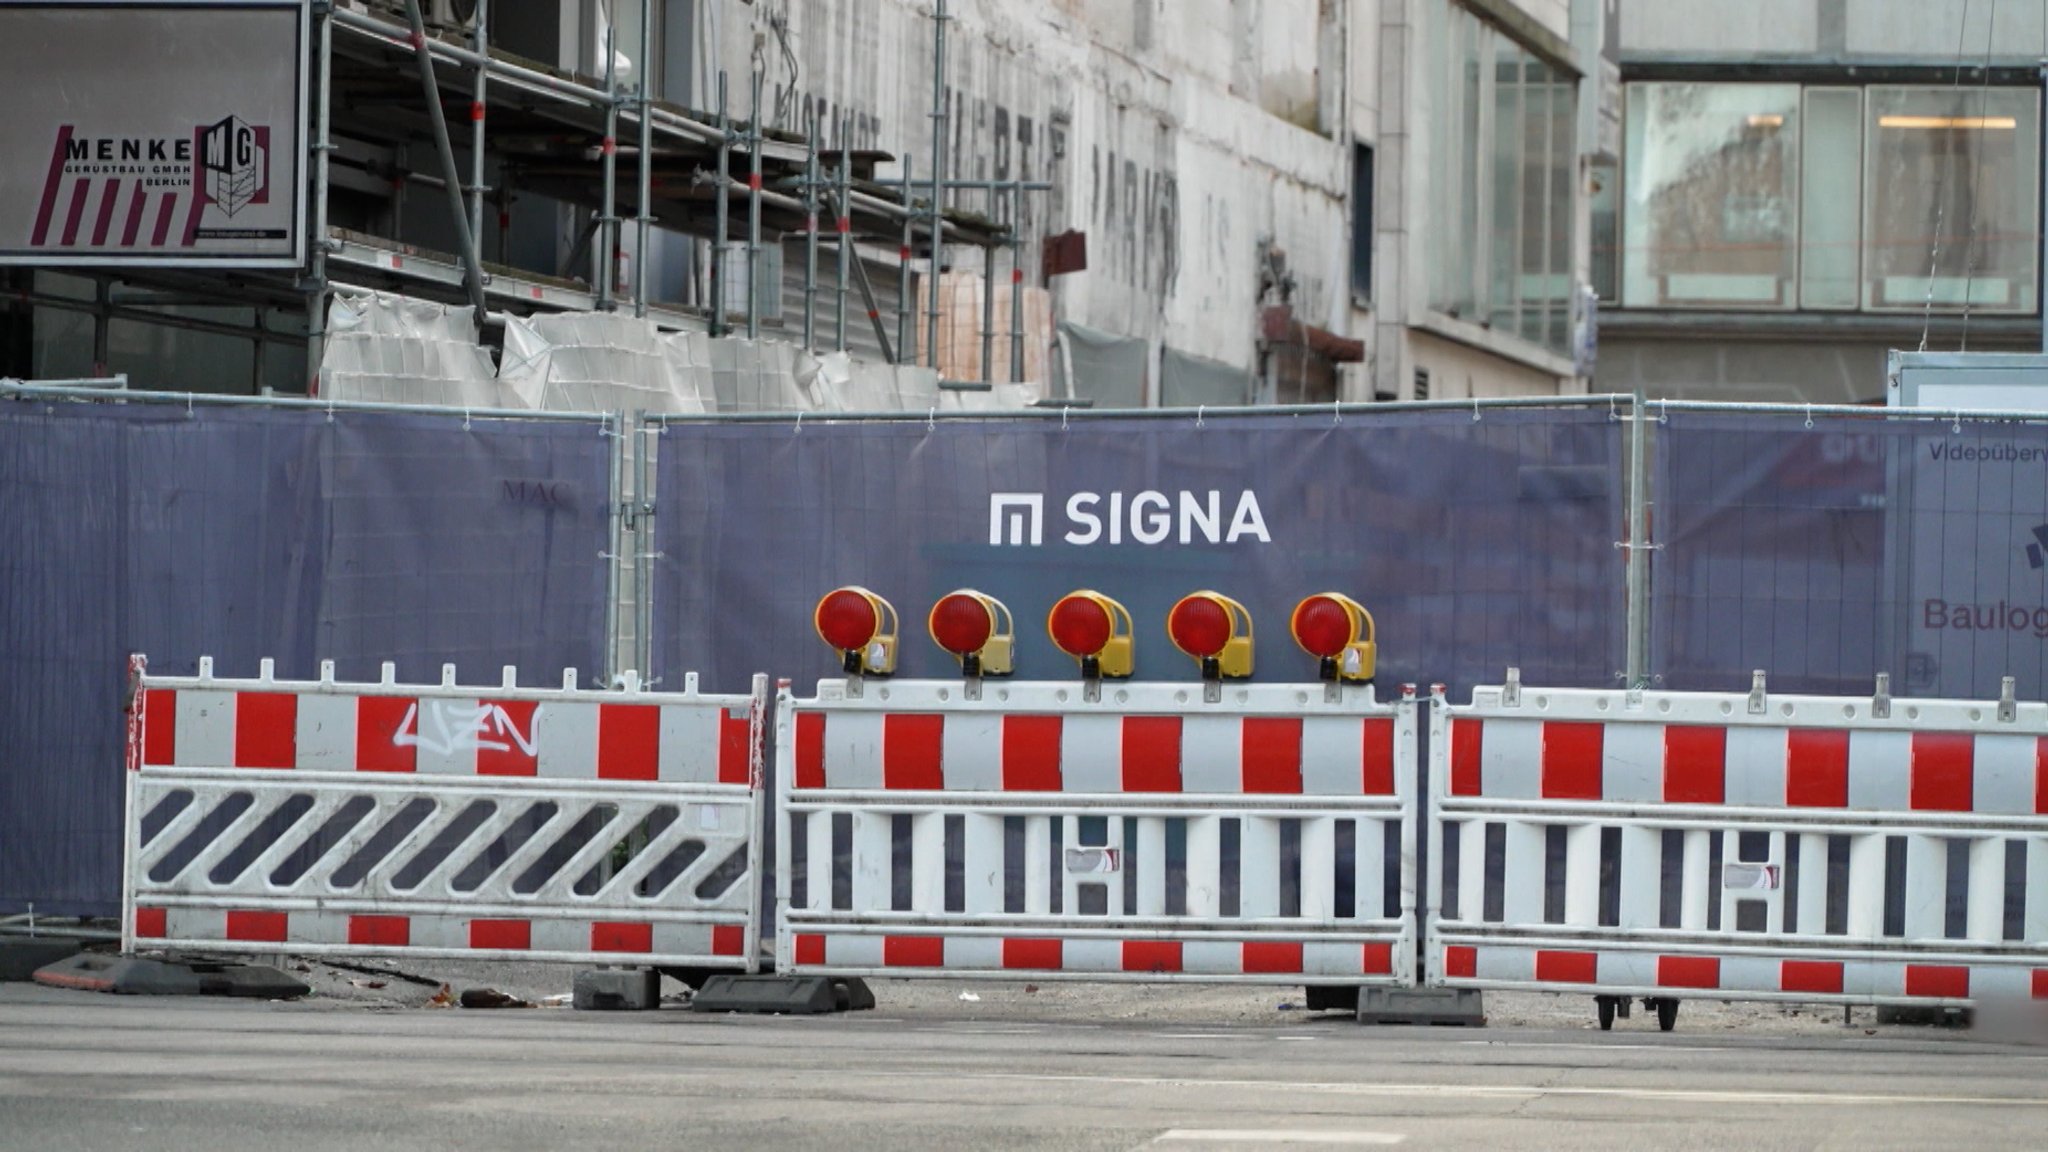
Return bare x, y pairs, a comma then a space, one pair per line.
1632, 763
1511, 761
1092, 753
689, 743
1274, 1136
1880, 771
564, 739
971, 752
2004, 775
205, 735
326, 737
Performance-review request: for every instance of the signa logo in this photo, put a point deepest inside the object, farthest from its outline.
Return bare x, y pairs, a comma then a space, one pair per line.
1017, 519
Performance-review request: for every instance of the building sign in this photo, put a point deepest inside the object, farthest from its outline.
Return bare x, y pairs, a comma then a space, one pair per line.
153, 133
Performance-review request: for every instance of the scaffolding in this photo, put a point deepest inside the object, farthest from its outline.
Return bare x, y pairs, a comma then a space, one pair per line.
387, 87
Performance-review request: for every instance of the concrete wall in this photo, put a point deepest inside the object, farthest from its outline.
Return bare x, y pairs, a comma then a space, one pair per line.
1928, 31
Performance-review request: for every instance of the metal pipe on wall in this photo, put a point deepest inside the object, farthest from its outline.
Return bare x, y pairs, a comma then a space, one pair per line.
645, 220
723, 180
1016, 284
906, 303
323, 144
608, 219
843, 222
811, 230
754, 217
988, 311
473, 278
939, 118
480, 37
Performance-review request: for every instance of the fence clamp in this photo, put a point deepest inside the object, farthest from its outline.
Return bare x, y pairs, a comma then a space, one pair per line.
1756, 693
2008, 709
1511, 692
1881, 702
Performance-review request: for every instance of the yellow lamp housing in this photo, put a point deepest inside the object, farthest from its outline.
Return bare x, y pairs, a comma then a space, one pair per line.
977, 629
1095, 630
1216, 631
1339, 632
859, 625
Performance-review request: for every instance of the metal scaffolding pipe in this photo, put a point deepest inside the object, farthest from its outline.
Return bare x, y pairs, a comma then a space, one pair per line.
1638, 547
1071, 412
811, 231
843, 221
1016, 285
323, 144
646, 217
724, 181
988, 313
608, 219
939, 118
473, 272
980, 185
228, 400
108, 310
481, 38
615, 563
906, 302
754, 217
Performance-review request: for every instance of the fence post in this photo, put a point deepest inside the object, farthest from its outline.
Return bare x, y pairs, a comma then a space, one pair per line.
1638, 548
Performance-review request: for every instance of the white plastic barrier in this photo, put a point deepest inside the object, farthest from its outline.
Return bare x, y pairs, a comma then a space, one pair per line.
388, 819
1740, 847
1142, 836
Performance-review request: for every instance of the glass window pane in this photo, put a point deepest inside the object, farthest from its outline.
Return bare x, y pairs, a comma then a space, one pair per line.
1830, 197
1510, 145
1455, 156
1951, 199
1603, 202
1712, 183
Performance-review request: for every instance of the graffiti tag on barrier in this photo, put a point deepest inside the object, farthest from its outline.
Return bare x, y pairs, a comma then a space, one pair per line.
447, 728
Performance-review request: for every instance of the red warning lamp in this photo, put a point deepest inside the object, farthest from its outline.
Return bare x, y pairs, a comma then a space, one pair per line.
1216, 631
861, 627
1328, 626
1095, 630
976, 628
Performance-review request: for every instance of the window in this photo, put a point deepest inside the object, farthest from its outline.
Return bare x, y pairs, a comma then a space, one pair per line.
1361, 223
1502, 164
1951, 199
1710, 217
1828, 198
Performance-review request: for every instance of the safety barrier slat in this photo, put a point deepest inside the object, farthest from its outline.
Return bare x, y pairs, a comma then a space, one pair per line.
1739, 846
444, 820
1143, 835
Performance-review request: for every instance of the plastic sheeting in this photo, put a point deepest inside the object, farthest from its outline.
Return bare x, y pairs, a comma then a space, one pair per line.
245, 533
1828, 553
390, 349
1475, 544
1103, 367
1186, 381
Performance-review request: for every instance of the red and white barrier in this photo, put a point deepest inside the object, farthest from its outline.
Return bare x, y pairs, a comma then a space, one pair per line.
392, 819
1752, 846
1145, 835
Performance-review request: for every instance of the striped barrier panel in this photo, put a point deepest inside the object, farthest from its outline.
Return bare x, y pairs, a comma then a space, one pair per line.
1739, 846
391, 819
1267, 838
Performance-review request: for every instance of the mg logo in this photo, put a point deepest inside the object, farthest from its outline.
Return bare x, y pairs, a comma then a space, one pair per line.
1017, 519
235, 160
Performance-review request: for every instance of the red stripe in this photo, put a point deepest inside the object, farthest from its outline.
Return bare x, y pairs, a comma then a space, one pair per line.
612, 936
1811, 976
2041, 983
845, 225
1932, 980
1270, 956
1016, 275
1695, 764
160, 726
1378, 960
379, 722
912, 752
754, 182
75, 213
1031, 754
268, 927
1151, 753
1817, 768
1270, 748
728, 940
1376, 777
476, 111
501, 935
810, 949
134, 225
628, 742
106, 220
1462, 960
735, 747
2041, 776
1942, 767
810, 750
164, 212
1466, 739
380, 931
1029, 953
510, 728
154, 924
1151, 955
51, 183
1568, 967
914, 951
1571, 760
1688, 972
266, 729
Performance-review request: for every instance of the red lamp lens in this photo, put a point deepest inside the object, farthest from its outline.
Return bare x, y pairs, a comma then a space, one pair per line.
1199, 626
961, 624
1322, 626
1080, 626
847, 620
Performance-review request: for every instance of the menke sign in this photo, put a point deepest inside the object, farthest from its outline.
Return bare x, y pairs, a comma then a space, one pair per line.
168, 133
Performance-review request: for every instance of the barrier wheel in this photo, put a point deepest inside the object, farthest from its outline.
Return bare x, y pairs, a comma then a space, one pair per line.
1667, 1015
1604, 1005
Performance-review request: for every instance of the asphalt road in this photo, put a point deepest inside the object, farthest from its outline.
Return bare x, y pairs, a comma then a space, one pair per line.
88, 1071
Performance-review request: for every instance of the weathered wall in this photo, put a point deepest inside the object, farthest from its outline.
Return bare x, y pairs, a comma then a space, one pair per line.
1926, 31
1180, 136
